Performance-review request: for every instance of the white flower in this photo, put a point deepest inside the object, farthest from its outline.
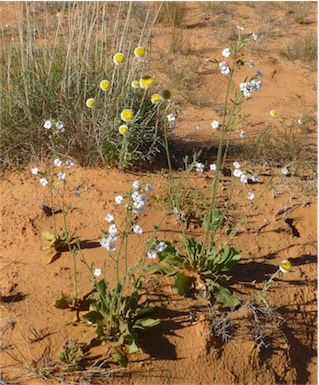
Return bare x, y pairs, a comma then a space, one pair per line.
224, 69
253, 35
242, 134
43, 182
243, 178
61, 175
136, 185
97, 272
300, 121
113, 229
285, 171
251, 63
35, 171
69, 163
171, 117
237, 173
139, 208
109, 218
119, 199
57, 162
226, 52
108, 243
249, 87
215, 124
152, 254
138, 229
213, 167
161, 247
59, 126
148, 188
199, 167
254, 178
236, 164
250, 196
47, 124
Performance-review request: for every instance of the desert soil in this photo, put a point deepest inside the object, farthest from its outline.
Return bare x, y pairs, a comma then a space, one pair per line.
283, 225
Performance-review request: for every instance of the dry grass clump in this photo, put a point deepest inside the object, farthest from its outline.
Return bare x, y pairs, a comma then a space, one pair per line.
304, 49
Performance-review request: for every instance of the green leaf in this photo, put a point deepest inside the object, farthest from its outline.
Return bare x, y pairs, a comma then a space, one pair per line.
62, 303
224, 296
119, 356
162, 267
146, 323
50, 257
48, 236
93, 316
183, 284
133, 348
213, 220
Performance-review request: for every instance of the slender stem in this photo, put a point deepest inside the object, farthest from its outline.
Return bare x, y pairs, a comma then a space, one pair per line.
219, 156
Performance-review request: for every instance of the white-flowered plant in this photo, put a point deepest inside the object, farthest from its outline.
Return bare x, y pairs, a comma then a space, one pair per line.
199, 167
109, 218
119, 199
226, 52
214, 124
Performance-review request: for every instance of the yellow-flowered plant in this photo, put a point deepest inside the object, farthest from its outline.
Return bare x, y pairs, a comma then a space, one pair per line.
127, 115
156, 98
105, 85
146, 82
90, 102
118, 58
135, 84
123, 129
139, 52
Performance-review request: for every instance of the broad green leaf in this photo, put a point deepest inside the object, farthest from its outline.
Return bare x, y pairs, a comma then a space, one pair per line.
119, 356
93, 316
213, 220
48, 236
183, 284
50, 257
132, 347
224, 296
145, 323
162, 267
62, 303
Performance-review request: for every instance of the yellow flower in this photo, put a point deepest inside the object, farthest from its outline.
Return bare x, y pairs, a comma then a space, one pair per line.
118, 58
146, 81
123, 129
273, 112
58, 14
90, 103
105, 85
285, 266
135, 84
127, 115
139, 52
165, 94
156, 98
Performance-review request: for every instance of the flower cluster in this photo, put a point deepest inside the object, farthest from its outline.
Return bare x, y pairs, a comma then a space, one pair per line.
224, 69
52, 124
152, 254
138, 206
248, 87
56, 163
243, 177
200, 167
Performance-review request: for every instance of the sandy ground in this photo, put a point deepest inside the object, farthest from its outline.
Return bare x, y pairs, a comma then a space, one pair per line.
279, 349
